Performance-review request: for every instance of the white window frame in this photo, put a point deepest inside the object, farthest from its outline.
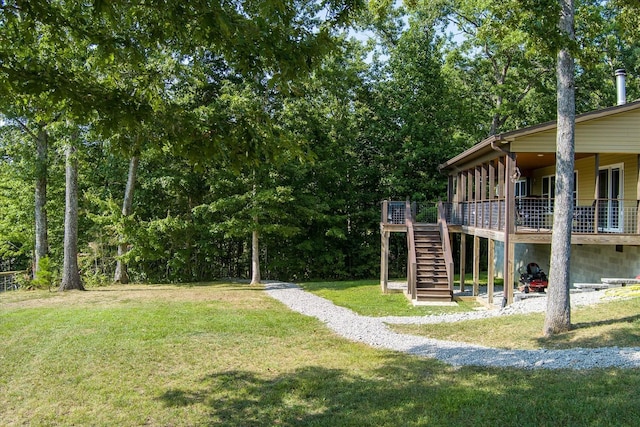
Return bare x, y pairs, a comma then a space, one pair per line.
550, 194
521, 189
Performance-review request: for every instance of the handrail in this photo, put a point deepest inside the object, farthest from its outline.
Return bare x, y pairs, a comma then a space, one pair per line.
12, 273
412, 267
446, 244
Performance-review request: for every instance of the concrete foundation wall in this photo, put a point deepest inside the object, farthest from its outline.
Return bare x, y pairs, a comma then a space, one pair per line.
589, 263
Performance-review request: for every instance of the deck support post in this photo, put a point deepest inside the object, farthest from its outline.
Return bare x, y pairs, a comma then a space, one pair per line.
491, 251
596, 194
637, 230
384, 260
510, 276
509, 252
463, 256
476, 265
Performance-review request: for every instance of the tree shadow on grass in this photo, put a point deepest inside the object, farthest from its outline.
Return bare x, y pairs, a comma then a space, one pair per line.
410, 392
625, 334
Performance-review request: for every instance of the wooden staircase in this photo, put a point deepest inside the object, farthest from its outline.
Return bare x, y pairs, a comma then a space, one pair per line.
432, 283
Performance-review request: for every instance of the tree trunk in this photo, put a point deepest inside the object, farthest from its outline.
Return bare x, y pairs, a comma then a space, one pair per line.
42, 240
70, 273
121, 275
255, 258
558, 315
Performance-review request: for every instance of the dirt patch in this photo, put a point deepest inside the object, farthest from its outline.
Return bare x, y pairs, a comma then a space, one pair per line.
246, 295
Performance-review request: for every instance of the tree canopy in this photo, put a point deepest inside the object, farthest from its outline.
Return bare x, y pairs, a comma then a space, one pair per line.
266, 116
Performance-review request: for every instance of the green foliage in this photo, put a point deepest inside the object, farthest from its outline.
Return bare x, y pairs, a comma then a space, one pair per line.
46, 277
263, 116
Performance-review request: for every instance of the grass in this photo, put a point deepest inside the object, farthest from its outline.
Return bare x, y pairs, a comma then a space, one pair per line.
225, 354
602, 325
364, 297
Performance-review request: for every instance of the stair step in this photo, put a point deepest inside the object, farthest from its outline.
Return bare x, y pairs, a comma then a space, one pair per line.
432, 283
434, 296
423, 226
441, 284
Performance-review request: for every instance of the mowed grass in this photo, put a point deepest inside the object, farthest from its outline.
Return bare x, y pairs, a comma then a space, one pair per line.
365, 297
611, 324
225, 354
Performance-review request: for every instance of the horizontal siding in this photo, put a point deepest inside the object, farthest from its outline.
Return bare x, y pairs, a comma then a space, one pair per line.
619, 133
587, 178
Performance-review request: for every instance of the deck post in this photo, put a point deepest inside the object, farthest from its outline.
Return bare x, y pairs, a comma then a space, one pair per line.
490, 269
451, 190
509, 251
492, 192
501, 180
469, 196
596, 193
384, 259
476, 265
477, 197
510, 277
637, 230
463, 256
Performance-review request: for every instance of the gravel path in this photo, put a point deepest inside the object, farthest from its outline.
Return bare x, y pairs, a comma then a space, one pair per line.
374, 331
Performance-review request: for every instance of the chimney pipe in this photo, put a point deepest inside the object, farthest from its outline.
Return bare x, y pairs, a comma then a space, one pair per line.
621, 85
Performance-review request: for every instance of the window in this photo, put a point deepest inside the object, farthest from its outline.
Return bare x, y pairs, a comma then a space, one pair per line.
521, 188
549, 189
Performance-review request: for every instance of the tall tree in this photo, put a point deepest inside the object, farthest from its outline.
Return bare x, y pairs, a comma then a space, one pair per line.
493, 59
70, 273
121, 275
558, 314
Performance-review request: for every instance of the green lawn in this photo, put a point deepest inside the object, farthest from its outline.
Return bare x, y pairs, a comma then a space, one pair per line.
224, 354
614, 324
365, 297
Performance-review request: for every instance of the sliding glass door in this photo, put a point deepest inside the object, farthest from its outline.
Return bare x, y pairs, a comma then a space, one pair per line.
610, 193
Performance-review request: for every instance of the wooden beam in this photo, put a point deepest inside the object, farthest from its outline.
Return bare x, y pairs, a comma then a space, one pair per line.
384, 260
509, 278
596, 192
509, 228
450, 189
492, 192
637, 230
491, 253
484, 181
463, 256
462, 178
492, 180
476, 265
501, 165
477, 197
469, 195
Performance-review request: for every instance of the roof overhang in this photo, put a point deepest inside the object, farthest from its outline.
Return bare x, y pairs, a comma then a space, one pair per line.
496, 143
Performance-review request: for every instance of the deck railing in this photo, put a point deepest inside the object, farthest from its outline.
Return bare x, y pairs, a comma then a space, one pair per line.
396, 212
8, 280
446, 244
412, 262
612, 216
532, 215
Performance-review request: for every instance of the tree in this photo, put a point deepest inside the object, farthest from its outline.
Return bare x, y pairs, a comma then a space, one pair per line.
70, 274
493, 59
419, 116
120, 275
558, 314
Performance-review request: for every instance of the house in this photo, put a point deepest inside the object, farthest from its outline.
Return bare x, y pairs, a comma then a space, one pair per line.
501, 191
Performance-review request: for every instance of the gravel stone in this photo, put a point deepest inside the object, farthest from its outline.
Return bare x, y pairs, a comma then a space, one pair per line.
374, 332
